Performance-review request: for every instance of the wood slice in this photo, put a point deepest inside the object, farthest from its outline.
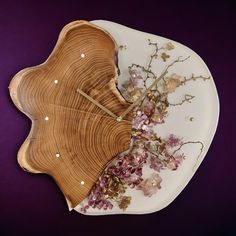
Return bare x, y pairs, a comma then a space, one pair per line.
71, 139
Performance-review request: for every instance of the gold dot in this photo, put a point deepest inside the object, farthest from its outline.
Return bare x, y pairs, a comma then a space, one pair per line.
82, 55
55, 81
46, 118
57, 155
82, 182
119, 119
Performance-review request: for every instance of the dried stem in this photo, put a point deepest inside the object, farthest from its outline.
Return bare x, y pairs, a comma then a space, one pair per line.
154, 55
187, 98
154, 153
177, 60
192, 142
194, 78
147, 70
189, 142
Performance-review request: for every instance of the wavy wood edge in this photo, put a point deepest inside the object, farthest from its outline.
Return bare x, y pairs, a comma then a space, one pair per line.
13, 88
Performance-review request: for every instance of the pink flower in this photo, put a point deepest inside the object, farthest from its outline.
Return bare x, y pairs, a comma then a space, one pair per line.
84, 208
128, 167
173, 141
158, 118
135, 75
173, 162
151, 185
147, 133
126, 170
95, 200
139, 120
148, 107
155, 163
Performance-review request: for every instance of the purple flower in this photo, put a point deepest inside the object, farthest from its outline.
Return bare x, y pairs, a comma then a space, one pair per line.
84, 208
155, 163
127, 168
140, 119
173, 141
135, 75
175, 161
158, 118
148, 107
147, 133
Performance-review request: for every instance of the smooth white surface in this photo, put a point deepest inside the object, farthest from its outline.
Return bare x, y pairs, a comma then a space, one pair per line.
204, 108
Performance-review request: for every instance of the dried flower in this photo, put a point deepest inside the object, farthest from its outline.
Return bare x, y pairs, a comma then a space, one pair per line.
156, 164
152, 147
140, 119
151, 185
169, 46
124, 202
148, 107
84, 208
131, 91
172, 163
126, 170
135, 94
164, 56
135, 75
158, 118
173, 141
114, 188
172, 83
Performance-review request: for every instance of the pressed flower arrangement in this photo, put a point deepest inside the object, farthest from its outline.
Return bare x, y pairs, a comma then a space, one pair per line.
147, 148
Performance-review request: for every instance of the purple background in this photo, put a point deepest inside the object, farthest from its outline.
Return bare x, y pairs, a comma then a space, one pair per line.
32, 203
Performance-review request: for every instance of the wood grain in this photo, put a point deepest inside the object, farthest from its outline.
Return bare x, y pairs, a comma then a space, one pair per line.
71, 139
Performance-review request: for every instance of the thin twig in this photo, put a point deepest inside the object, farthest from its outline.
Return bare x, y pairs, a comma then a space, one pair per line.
154, 55
191, 142
194, 78
154, 153
178, 60
187, 98
137, 102
149, 71
143, 95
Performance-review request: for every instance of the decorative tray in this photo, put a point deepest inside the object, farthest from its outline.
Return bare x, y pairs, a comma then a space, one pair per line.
121, 119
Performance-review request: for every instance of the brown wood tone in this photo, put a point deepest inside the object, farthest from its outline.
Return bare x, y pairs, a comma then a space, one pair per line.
72, 139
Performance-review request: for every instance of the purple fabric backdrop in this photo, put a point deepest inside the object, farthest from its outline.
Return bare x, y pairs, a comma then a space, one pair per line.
33, 203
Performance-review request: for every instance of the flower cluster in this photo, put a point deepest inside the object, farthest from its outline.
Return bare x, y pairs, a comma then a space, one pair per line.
163, 153
151, 185
147, 149
132, 88
126, 170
